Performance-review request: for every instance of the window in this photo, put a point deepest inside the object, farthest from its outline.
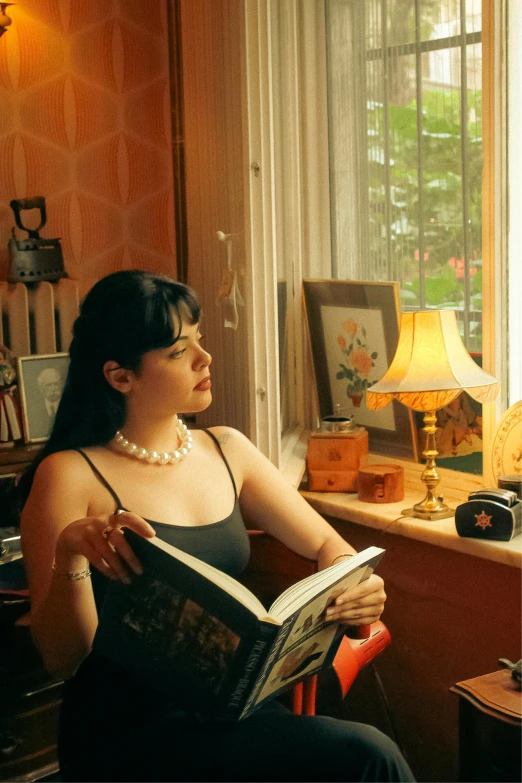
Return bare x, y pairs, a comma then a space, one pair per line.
405, 119
379, 162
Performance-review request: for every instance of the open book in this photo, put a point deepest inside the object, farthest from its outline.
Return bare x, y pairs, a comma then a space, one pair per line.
200, 636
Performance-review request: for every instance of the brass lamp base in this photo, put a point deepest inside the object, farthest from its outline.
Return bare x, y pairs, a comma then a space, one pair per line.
432, 507
425, 512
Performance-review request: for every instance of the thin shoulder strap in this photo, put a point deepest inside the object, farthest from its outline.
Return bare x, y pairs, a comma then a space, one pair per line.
218, 444
101, 478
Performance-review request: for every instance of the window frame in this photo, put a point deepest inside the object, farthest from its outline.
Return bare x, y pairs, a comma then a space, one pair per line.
306, 33
418, 48
511, 19
304, 192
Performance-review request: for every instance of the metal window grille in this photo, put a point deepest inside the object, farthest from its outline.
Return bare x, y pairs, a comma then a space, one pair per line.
405, 111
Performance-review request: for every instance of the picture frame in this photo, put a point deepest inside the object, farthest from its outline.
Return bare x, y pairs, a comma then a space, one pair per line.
41, 378
333, 310
459, 433
506, 452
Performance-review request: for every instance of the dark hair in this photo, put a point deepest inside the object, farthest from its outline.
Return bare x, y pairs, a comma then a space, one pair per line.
124, 315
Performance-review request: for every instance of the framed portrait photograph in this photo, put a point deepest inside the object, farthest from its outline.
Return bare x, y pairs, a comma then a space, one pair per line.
353, 327
41, 379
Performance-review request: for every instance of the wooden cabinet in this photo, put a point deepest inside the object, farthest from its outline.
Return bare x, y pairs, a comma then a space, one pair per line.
29, 703
16, 458
29, 698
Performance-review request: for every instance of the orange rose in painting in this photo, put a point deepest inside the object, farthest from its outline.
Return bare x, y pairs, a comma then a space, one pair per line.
350, 326
361, 361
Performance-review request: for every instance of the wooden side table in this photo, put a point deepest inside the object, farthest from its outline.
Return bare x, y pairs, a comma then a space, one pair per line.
490, 728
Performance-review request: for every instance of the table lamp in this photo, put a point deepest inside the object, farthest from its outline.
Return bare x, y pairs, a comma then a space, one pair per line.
431, 367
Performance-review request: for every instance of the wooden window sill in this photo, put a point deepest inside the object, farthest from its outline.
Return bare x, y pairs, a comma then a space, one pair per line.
454, 486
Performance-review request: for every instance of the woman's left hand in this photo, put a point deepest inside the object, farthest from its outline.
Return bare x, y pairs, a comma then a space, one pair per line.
360, 605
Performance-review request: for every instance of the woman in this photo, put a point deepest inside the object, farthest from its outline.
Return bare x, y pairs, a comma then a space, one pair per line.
137, 361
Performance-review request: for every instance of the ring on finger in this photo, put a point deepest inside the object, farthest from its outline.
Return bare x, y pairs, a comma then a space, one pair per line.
107, 531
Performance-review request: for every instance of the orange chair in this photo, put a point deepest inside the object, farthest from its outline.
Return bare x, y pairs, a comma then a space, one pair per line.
272, 568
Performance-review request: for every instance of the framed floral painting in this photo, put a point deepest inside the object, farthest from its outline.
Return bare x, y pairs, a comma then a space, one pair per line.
353, 329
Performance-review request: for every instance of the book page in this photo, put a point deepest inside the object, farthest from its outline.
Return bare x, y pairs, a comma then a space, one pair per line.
224, 581
297, 660
307, 640
311, 618
300, 593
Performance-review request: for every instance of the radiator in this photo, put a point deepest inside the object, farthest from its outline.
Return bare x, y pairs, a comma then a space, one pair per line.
38, 318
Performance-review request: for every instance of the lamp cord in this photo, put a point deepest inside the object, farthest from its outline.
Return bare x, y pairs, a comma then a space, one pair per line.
388, 526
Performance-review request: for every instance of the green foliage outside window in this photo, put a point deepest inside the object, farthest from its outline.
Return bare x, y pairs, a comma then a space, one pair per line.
442, 219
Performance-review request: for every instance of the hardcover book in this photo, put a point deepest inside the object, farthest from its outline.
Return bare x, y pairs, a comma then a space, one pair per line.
200, 636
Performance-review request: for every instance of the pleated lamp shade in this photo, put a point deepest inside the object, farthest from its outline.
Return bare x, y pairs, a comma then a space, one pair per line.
431, 366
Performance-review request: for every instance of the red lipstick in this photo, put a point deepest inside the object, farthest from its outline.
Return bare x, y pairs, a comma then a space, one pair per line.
204, 385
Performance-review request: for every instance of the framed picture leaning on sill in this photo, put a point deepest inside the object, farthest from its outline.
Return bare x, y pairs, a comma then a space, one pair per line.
41, 378
353, 328
459, 433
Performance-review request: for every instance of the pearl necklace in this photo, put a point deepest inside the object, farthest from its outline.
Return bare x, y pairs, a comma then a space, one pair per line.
159, 457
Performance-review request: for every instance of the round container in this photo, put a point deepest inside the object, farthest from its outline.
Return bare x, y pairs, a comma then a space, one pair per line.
513, 482
338, 424
380, 483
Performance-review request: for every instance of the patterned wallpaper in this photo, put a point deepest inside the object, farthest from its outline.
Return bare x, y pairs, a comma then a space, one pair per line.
85, 122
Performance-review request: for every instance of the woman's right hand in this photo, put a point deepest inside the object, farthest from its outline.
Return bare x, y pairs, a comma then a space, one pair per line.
100, 541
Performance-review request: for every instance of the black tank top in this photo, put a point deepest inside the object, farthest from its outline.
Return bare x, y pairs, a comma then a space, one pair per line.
224, 544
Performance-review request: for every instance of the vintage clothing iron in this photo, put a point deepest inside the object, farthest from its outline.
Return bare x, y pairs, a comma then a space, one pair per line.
33, 259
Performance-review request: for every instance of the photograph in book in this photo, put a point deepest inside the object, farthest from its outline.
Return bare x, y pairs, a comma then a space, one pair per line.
204, 640
178, 628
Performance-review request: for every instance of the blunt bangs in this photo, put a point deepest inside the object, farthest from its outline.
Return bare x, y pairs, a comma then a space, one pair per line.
167, 299
130, 312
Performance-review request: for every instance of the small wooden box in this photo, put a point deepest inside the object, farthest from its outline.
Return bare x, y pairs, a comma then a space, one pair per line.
381, 483
333, 460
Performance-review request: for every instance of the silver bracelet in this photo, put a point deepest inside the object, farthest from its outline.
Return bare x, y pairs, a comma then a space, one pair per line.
344, 554
73, 576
